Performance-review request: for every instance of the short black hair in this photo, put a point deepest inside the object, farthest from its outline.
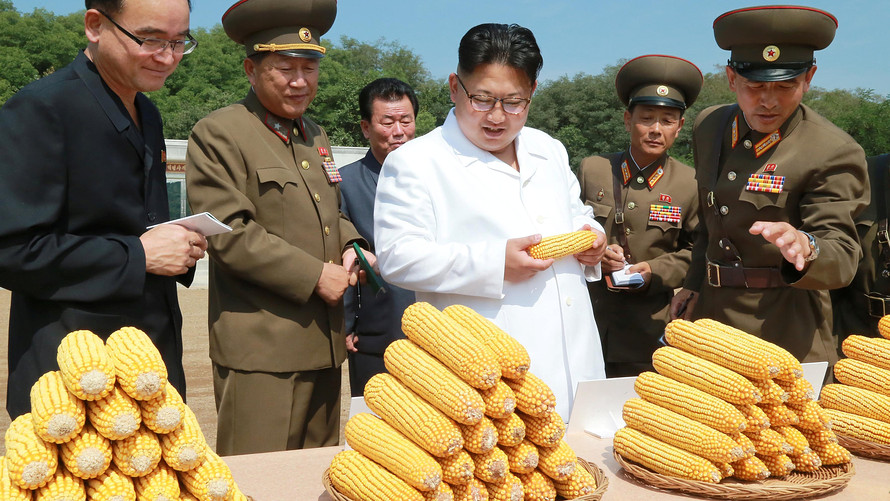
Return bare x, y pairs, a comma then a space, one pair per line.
386, 89
112, 6
509, 45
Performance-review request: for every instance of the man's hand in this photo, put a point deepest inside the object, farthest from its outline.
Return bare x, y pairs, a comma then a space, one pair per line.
518, 265
683, 304
332, 283
643, 269
594, 255
351, 263
794, 245
171, 250
613, 258
351, 341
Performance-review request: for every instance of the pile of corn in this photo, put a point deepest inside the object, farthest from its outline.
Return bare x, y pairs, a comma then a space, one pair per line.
107, 426
859, 407
460, 417
725, 403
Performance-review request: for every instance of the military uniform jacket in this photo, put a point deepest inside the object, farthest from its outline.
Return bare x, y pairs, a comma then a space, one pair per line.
660, 206
850, 305
823, 188
264, 176
79, 182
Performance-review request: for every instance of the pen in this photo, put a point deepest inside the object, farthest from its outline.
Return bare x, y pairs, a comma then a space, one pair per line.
683, 306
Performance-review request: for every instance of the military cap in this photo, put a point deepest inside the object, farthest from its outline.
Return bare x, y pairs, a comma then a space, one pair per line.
288, 27
774, 42
658, 80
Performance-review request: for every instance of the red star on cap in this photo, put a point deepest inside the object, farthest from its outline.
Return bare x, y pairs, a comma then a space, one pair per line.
771, 53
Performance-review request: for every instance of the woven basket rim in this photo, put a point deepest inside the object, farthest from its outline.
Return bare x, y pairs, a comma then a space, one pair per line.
791, 487
864, 448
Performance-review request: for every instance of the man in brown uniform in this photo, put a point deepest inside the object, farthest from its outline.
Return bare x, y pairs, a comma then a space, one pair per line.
277, 280
648, 204
779, 185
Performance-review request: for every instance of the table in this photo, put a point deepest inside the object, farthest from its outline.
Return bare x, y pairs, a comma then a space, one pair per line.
296, 475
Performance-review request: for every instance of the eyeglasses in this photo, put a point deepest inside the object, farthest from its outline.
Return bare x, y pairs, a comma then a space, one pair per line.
481, 102
155, 45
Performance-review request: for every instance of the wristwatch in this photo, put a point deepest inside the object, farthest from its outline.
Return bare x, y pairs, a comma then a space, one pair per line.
814, 247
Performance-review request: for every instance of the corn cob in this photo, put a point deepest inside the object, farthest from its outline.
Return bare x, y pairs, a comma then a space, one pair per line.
725, 469
137, 362
545, 431
474, 490
720, 348
797, 440
680, 431
863, 375
510, 489
807, 462
690, 402
789, 367
8, 490
522, 458
663, 458
111, 486
511, 355
745, 443
457, 469
557, 462
875, 351
800, 391
442, 492
58, 415
769, 442
161, 484
580, 483
385, 445
357, 477
499, 400
537, 487
704, 375
459, 349
533, 396
750, 468
437, 384
30, 461
414, 417
480, 437
812, 416
491, 466
88, 454
856, 400
863, 428
212, 480
137, 455
511, 430
819, 437
884, 326
185, 447
186, 495
116, 416
86, 366
770, 391
780, 415
63, 486
832, 454
757, 418
163, 413
562, 245
779, 465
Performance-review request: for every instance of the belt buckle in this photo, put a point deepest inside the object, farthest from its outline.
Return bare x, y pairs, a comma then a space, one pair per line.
619, 217
883, 237
715, 274
872, 299
710, 199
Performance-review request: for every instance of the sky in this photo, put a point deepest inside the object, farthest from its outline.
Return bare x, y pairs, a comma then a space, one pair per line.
584, 36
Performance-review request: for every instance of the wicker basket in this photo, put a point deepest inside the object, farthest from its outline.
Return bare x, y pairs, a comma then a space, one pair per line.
865, 448
601, 484
795, 486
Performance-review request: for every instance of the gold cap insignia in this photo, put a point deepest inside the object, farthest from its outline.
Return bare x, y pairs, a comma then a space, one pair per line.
771, 53
305, 34
662, 90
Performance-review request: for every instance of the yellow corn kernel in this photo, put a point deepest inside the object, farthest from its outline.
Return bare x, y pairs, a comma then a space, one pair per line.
357, 477
522, 458
474, 490
457, 469
562, 245
770, 391
546, 430
750, 468
437, 384
185, 447
863, 428
807, 462
188, 496
726, 470
537, 487
884, 326
58, 415
875, 351
799, 390
212, 480
757, 419
821, 436
8, 490
137, 362
442, 492
86, 366
511, 430
456, 347
112, 485
557, 462
580, 483
88, 454
680, 431
663, 458
116, 416
160, 484
797, 440
30, 461
137, 455
812, 416
832, 454
780, 415
491, 466
63, 486
480, 437
163, 413
704, 375
385, 445
511, 355
769, 442
510, 489
533, 396
499, 400
690, 402
789, 367
427, 426
863, 375
779, 465
721, 348
856, 401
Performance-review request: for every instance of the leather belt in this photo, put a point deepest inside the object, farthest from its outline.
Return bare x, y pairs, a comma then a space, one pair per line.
878, 305
740, 276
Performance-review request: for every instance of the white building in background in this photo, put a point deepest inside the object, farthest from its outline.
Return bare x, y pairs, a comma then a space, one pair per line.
176, 148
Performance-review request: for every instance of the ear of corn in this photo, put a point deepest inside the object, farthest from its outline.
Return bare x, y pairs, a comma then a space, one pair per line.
807, 462
511, 355
474, 490
116, 416
8, 490
457, 469
533, 396
160, 483
137, 455
385, 445
745, 443
875, 351
757, 418
112, 485
510, 489
821, 436
769, 442
459, 349
770, 391
537, 487
799, 390
357, 477
779, 465
491, 466
58, 415
884, 326
30, 461
780, 415
63, 486
562, 245
811, 415
789, 367
750, 468
663, 458
480, 437
522, 458
856, 401
163, 413
511, 430
86, 367
442, 492
546, 430
726, 470
863, 375
185, 447
690, 402
499, 400
557, 462
863, 428
580, 483
137, 362
212, 480
797, 440
832, 454
720, 348
188, 496
88, 454
427, 426
704, 375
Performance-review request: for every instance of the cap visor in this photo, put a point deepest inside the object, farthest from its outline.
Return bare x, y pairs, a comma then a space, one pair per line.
312, 54
657, 101
771, 74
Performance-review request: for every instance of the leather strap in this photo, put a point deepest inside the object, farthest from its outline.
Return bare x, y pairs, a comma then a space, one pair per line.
878, 305
740, 276
619, 206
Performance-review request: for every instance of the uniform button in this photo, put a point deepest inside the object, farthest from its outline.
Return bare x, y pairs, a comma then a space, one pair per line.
525, 183
317, 197
747, 144
731, 176
152, 217
627, 231
331, 261
540, 219
305, 164
885, 274
327, 230
632, 206
640, 180
568, 301
724, 210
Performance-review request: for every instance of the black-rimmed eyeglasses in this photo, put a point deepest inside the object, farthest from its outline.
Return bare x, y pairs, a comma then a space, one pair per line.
481, 102
154, 45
